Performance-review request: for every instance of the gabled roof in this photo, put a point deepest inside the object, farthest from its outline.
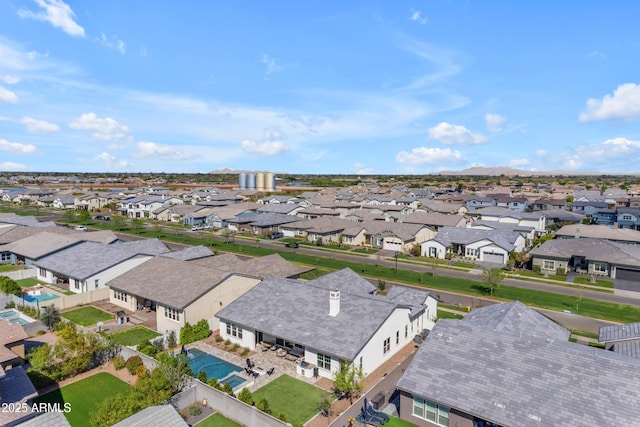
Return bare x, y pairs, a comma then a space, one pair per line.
592, 249
519, 381
434, 218
15, 386
281, 208
599, 232
270, 265
500, 212
517, 319
27, 221
466, 236
401, 230
346, 281
271, 219
168, 281
189, 253
41, 244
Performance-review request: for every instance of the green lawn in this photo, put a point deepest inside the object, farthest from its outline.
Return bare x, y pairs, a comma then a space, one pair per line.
218, 420
85, 396
463, 264
28, 282
133, 336
10, 267
397, 422
448, 315
294, 398
597, 282
87, 316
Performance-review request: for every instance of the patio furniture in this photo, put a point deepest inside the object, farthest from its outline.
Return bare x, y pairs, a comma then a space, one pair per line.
372, 413
271, 371
250, 364
291, 357
281, 352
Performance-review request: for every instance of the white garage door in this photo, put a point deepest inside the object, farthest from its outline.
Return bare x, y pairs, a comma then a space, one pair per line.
392, 246
493, 258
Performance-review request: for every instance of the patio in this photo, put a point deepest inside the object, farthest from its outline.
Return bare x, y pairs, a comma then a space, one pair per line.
139, 317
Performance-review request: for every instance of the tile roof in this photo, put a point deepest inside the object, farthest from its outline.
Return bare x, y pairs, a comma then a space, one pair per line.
171, 282
519, 381
153, 416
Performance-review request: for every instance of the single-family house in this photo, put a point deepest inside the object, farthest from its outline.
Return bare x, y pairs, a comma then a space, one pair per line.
519, 371
491, 246
435, 220
629, 218
537, 220
328, 321
475, 202
577, 231
396, 236
548, 204
29, 250
589, 256
179, 291
623, 339
89, 265
12, 351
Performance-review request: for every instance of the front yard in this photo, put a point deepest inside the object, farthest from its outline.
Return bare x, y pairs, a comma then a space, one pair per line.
294, 398
85, 396
134, 336
87, 316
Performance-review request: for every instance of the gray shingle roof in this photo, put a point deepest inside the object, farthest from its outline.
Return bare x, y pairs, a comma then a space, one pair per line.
625, 332
592, 249
517, 381
41, 244
346, 281
88, 258
517, 319
299, 312
144, 246
15, 385
465, 236
627, 348
599, 232
262, 267
171, 282
189, 253
434, 218
154, 416
46, 419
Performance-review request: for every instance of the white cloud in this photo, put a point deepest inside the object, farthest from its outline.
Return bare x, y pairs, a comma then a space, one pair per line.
7, 96
270, 63
17, 148
151, 149
9, 79
518, 162
417, 16
455, 135
57, 13
106, 129
112, 42
11, 166
427, 155
111, 162
39, 126
495, 122
271, 145
624, 104
360, 169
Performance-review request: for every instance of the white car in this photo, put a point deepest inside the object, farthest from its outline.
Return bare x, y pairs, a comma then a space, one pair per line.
80, 228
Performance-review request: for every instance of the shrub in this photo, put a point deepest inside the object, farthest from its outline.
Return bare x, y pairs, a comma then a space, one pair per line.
192, 333
213, 382
561, 271
41, 332
219, 338
142, 371
202, 376
245, 396
147, 348
235, 347
119, 362
171, 339
132, 364
263, 405
283, 417
226, 387
536, 269
194, 409
158, 345
245, 351
227, 342
10, 304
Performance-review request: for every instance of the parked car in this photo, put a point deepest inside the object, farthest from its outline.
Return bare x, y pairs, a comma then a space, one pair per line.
196, 228
275, 235
80, 228
293, 245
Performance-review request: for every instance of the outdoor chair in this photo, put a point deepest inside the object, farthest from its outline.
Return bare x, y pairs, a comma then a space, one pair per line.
271, 371
372, 413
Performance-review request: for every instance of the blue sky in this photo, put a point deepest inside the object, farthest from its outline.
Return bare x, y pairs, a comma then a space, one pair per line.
360, 87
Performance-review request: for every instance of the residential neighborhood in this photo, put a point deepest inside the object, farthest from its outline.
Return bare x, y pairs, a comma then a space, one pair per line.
219, 275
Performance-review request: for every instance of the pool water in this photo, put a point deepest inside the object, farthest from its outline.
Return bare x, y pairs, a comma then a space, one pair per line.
19, 321
44, 296
233, 380
213, 366
14, 316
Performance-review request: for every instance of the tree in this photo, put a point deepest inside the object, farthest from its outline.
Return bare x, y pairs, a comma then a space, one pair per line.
84, 216
245, 396
176, 369
324, 406
158, 229
348, 381
50, 316
263, 405
9, 286
492, 278
137, 225
69, 215
118, 222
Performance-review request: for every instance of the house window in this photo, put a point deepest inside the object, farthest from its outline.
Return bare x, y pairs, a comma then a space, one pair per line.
472, 252
172, 314
360, 362
42, 272
548, 265
386, 345
324, 361
97, 283
5, 256
406, 331
397, 337
431, 411
599, 267
234, 330
120, 296
627, 217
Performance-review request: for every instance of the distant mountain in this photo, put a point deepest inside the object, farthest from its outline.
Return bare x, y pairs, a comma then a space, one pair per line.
507, 171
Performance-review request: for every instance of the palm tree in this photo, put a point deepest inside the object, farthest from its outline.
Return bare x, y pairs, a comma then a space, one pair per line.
50, 316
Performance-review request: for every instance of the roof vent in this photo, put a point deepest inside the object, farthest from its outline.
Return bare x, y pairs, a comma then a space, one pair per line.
534, 417
499, 405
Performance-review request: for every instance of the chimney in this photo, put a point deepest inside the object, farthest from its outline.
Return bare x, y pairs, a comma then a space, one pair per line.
334, 302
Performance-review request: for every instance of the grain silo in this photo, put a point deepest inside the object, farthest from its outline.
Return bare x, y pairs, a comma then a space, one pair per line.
260, 181
251, 181
269, 181
242, 181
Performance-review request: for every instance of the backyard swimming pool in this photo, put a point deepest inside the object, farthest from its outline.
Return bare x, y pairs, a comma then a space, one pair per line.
40, 297
14, 316
213, 366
